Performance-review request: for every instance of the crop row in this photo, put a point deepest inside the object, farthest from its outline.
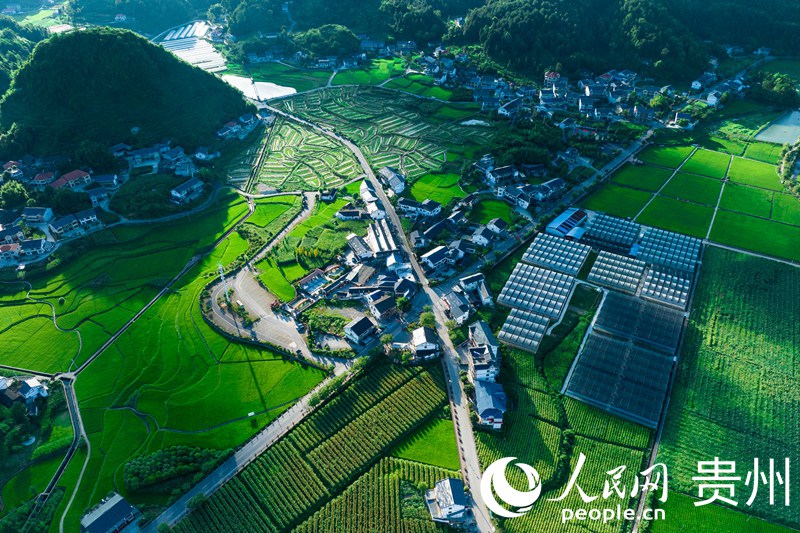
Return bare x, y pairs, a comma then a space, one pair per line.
377, 502
325, 453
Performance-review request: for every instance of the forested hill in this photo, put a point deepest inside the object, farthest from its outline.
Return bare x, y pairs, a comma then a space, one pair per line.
532, 35
771, 23
151, 16
16, 44
97, 84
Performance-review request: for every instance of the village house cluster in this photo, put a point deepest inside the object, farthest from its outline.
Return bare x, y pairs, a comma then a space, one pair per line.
24, 390
35, 231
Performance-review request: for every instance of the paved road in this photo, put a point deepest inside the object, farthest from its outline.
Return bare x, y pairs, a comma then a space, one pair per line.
69, 378
275, 328
468, 453
243, 457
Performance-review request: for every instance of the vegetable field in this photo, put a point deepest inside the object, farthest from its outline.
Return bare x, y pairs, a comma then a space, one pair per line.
325, 453
388, 497
394, 129
549, 431
736, 396
299, 159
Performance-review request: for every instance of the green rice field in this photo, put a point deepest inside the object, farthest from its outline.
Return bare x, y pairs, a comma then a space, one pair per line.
378, 71
747, 200
442, 188
755, 173
618, 201
665, 156
707, 163
679, 216
693, 188
756, 234
647, 178
486, 210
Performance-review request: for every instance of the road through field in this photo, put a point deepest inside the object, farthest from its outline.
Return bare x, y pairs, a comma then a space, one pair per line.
470, 464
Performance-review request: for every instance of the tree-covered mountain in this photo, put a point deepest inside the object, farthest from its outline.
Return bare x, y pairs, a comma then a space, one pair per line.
771, 23
532, 35
95, 85
148, 15
329, 39
16, 44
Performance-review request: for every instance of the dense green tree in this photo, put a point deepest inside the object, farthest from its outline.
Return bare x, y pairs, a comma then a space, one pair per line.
117, 80
415, 20
251, 16
426, 319
774, 89
16, 44
533, 35
12, 194
330, 39
216, 13
66, 201
95, 155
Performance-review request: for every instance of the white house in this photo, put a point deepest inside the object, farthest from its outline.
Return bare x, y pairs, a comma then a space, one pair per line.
482, 236
480, 334
490, 404
37, 215
457, 307
447, 501
497, 225
435, 258
713, 98
393, 179
424, 343
31, 389
375, 210
186, 191
482, 364
359, 329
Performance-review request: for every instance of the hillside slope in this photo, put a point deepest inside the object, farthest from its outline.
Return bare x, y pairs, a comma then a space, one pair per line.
98, 84
16, 44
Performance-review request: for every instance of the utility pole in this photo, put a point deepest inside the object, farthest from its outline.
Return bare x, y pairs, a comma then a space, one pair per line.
224, 282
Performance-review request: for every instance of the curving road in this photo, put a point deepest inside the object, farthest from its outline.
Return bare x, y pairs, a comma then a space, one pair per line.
468, 454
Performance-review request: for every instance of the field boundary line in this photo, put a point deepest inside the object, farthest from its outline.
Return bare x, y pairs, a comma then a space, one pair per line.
725, 181
658, 192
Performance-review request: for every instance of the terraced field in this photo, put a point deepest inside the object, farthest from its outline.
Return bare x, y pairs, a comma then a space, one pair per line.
238, 165
299, 159
393, 129
95, 294
169, 380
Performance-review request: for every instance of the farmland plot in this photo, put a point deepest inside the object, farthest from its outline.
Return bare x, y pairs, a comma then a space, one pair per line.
735, 396
301, 159
391, 128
